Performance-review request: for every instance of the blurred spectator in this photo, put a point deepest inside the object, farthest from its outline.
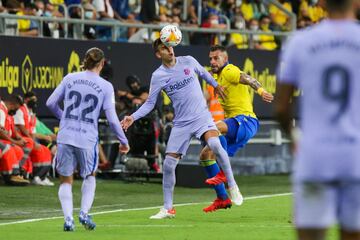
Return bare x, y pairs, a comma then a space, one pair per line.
28, 27
149, 11
304, 22
240, 40
252, 9
11, 25
205, 38
247, 10
135, 6
266, 42
229, 9
105, 12
313, 9
90, 14
279, 18
2, 9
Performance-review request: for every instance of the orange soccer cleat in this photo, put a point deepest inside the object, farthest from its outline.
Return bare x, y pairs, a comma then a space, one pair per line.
217, 179
218, 204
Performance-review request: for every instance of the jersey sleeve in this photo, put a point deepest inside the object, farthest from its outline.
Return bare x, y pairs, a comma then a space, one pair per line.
109, 100
201, 72
53, 101
232, 74
155, 89
288, 68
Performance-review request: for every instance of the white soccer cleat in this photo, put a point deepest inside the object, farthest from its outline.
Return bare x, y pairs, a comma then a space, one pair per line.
47, 182
236, 196
37, 181
164, 213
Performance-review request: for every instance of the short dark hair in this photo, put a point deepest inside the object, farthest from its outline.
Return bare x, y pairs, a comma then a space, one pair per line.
92, 58
338, 5
214, 48
16, 99
29, 95
156, 44
263, 16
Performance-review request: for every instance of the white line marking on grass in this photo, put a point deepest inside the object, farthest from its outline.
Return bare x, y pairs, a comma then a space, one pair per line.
140, 209
145, 226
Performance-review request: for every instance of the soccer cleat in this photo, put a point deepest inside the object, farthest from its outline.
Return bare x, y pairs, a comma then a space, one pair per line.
69, 225
164, 213
37, 181
86, 221
47, 182
217, 179
17, 180
218, 204
236, 196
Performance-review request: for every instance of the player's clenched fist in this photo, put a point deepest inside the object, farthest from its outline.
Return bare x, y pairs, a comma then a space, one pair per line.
127, 122
124, 149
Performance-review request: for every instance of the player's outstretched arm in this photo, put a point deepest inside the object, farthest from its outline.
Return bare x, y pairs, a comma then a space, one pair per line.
256, 85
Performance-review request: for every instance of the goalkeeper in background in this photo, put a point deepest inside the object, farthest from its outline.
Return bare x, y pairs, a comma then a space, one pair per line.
240, 123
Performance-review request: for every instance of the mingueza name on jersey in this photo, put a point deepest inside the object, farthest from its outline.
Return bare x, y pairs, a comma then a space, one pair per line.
335, 44
181, 84
76, 129
85, 82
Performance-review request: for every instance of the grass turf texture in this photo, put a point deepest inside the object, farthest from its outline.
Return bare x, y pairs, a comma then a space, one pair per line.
262, 218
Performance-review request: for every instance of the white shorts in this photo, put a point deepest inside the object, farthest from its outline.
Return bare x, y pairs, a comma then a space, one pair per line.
180, 137
321, 205
69, 158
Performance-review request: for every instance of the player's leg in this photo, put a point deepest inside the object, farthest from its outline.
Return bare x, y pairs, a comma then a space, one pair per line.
349, 211
213, 141
168, 183
41, 159
315, 206
207, 160
177, 146
65, 166
88, 160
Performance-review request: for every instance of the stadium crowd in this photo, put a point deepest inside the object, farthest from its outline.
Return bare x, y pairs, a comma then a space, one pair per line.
239, 14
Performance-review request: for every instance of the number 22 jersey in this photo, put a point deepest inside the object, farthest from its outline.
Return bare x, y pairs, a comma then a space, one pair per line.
324, 62
84, 95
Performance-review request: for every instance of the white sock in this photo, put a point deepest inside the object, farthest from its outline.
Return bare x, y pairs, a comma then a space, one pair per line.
88, 193
223, 159
66, 200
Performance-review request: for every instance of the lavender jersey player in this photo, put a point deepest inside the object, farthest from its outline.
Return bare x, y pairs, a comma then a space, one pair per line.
330, 103
183, 88
327, 168
84, 95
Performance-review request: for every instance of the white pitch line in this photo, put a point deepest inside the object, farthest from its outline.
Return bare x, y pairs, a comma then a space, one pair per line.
140, 209
143, 225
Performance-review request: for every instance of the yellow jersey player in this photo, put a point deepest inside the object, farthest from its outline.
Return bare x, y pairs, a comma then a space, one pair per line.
240, 123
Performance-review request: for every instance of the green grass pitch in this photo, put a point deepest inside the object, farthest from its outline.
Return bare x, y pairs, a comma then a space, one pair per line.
122, 211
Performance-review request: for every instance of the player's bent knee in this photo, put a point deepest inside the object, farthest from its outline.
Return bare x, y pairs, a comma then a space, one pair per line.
206, 154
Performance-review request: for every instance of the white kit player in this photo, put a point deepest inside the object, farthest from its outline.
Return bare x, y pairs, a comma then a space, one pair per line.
324, 62
177, 77
84, 94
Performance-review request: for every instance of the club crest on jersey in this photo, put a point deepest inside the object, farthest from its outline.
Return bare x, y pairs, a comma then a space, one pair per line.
187, 71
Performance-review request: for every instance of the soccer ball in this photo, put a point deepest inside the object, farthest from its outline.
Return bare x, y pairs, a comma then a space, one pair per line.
170, 35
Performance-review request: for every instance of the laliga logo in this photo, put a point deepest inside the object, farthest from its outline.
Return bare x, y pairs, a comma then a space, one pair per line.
74, 63
27, 74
